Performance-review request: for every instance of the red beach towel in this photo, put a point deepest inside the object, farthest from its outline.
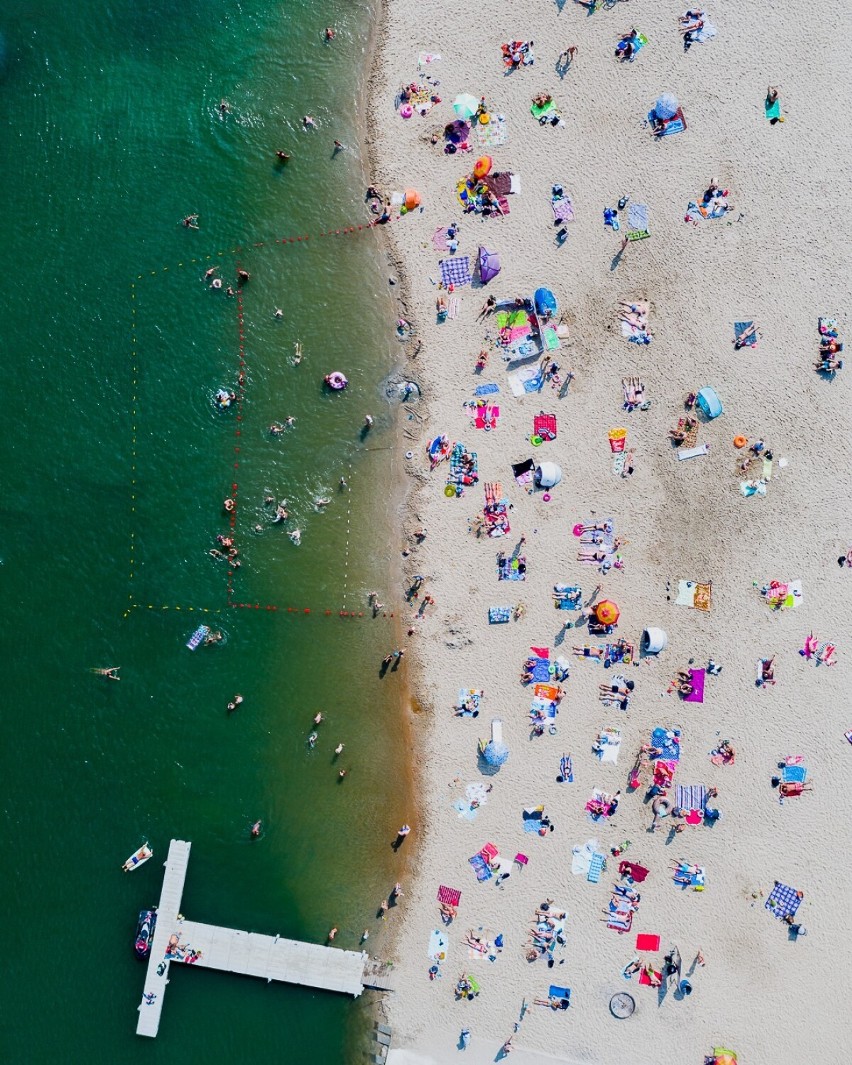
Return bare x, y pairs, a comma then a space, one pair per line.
646, 941
544, 425
448, 895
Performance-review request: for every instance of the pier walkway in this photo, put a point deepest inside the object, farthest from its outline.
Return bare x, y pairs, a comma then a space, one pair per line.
178, 941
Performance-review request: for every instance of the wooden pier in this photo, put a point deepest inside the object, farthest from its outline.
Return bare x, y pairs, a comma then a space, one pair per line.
178, 941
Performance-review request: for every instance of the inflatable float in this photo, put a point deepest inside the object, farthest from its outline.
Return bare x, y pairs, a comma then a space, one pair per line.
336, 381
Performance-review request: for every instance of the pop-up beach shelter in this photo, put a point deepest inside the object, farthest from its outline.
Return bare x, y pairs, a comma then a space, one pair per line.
709, 403
489, 265
545, 302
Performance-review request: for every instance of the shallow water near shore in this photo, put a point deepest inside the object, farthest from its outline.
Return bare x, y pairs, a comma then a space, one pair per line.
116, 468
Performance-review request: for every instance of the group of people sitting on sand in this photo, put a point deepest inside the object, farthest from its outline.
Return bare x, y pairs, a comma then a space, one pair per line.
830, 348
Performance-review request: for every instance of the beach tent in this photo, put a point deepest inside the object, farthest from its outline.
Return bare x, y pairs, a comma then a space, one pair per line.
548, 474
666, 106
412, 199
545, 302
709, 403
489, 264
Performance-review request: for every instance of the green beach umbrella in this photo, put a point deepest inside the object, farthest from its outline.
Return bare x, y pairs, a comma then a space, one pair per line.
465, 105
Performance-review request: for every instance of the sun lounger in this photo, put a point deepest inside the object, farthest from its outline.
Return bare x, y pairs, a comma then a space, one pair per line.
595, 868
693, 452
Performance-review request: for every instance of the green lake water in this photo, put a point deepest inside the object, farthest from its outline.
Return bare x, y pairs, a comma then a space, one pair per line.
116, 466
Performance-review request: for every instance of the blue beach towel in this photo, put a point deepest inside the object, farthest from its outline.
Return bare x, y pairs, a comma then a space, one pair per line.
783, 901
499, 615
739, 329
486, 390
480, 867
595, 868
541, 670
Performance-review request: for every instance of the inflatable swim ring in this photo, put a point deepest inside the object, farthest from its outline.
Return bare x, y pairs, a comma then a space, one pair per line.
449, 491
409, 454
578, 530
336, 381
546, 497
484, 119
660, 806
406, 111
740, 441
536, 440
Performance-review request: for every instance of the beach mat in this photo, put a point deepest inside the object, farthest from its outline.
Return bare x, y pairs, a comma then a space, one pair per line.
647, 941
448, 895
544, 425
437, 945
739, 329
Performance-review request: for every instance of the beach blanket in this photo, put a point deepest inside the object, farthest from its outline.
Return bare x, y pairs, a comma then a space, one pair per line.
455, 271
794, 774
697, 678
687, 875
739, 329
467, 702
424, 58
667, 741
525, 380
508, 569
694, 594
486, 948
706, 33
540, 111
581, 857
544, 426
499, 615
636, 334
448, 895
501, 183
691, 438
715, 208
675, 124
458, 474
563, 209
523, 471
541, 669
691, 797
532, 822
494, 133
608, 745
783, 901
828, 327
486, 390
438, 943
566, 770
647, 941
639, 874
597, 806
783, 595
568, 598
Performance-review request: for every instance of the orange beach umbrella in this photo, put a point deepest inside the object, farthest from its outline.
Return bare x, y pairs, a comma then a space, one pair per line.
607, 612
412, 199
482, 167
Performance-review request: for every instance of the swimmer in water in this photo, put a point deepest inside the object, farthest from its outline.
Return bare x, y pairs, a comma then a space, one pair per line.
338, 750
210, 272
280, 512
308, 122
110, 672
296, 536
256, 829
282, 156
318, 718
330, 33
312, 740
216, 282
224, 108
321, 502
342, 484
289, 420
276, 429
297, 353
278, 313
190, 221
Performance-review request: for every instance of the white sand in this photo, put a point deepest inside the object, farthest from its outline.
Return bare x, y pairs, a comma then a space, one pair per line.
785, 262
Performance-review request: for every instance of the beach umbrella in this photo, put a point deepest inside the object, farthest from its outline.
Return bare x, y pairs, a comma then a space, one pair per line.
465, 105
724, 1057
495, 753
412, 199
482, 167
607, 612
489, 264
457, 131
666, 106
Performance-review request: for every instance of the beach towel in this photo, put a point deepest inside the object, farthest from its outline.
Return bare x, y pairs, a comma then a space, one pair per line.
675, 124
566, 770
609, 743
595, 868
455, 271
706, 33
427, 57
561, 994
772, 111
739, 329
544, 426
694, 594
437, 945
638, 873
697, 681
563, 210
637, 217
448, 895
646, 941
620, 922
500, 183
480, 867
794, 774
486, 390
523, 471
486, 416
691, 438
692, 452
691, 797
439, 239
499, 615
539, 111
783, 901
828, 327
645, 979
494, 133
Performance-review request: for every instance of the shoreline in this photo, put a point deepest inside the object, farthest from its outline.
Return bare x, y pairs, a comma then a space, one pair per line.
726, 539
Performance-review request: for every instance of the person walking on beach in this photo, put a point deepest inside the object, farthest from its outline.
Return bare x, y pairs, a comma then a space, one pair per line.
400, 836
368, 421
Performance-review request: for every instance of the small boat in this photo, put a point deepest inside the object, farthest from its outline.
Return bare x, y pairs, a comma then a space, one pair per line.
145, 932
138, 858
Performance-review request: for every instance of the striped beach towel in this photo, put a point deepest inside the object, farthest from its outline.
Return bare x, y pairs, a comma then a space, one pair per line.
595, 868
448, 895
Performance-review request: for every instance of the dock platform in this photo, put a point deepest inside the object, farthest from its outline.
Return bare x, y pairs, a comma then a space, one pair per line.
178, 941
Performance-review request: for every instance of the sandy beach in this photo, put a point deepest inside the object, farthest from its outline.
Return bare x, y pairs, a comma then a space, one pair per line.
777, 254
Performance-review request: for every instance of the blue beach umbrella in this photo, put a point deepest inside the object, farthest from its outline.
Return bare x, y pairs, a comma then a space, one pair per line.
495, 753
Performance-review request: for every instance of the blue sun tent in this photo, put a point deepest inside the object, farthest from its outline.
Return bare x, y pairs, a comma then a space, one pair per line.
545, 302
